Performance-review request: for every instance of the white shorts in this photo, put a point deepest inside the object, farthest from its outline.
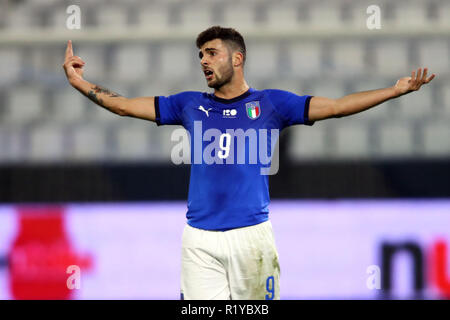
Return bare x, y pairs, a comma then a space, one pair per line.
230, 265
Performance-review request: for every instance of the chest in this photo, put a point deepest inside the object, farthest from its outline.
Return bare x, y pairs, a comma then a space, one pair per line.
254, 114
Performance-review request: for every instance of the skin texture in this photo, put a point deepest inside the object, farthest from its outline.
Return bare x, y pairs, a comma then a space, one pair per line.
323, 108
141, 107
227, 66
228, 82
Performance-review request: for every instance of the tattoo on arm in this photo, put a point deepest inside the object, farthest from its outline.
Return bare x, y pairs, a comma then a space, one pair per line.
99, 89
92, 94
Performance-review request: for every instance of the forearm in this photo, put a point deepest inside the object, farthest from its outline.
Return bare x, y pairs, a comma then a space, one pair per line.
101, 96
360, 101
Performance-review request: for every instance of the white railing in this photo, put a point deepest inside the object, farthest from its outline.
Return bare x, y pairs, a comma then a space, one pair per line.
140, 34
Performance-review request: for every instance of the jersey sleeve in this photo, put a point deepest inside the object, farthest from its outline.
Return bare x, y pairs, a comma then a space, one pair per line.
292, 108
169, 109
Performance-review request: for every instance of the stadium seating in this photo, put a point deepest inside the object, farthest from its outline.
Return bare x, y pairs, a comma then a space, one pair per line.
13, 143
37, 106
305, 58
396, 139
89, 142
436, 139
130, 63
25, 105
307, 143
352, 140
417, 105
392, 58
47, 141
133, 141
68, 107
434, 53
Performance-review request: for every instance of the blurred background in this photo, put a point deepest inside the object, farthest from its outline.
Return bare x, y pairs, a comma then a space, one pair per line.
82, 186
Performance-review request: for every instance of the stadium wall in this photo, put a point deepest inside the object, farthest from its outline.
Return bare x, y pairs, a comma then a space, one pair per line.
142, 182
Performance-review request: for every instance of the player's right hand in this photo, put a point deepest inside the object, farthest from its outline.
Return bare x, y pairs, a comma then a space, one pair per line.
73, 65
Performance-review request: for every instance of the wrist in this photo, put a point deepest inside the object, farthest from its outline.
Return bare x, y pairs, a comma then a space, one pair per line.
396, 92
76, 82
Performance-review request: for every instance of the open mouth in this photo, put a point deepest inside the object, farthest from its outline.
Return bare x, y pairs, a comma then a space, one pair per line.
208, 74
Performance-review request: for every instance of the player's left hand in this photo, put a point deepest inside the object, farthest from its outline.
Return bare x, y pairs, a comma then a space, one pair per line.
413, 83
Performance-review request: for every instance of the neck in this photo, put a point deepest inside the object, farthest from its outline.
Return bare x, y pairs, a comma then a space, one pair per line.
232, 90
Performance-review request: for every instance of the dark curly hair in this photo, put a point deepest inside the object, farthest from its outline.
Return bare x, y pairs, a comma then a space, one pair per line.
229, 35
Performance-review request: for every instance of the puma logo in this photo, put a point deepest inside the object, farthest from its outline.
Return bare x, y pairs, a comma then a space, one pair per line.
205, 111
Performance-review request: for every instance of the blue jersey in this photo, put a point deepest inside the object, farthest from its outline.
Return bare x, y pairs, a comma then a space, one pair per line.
231, 141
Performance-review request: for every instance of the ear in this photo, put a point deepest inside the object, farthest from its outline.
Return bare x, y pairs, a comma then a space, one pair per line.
238, 59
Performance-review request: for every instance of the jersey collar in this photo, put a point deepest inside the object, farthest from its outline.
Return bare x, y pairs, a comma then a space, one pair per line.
235, 99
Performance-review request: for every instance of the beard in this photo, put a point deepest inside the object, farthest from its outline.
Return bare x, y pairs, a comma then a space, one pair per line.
227, 73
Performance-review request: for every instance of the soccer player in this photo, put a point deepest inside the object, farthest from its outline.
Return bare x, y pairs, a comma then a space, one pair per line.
228, 247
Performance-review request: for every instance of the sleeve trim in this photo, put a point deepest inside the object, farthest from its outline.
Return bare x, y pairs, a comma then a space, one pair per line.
306, 112
157, 114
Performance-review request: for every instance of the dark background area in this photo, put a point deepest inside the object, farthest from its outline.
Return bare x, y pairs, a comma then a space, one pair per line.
131, 182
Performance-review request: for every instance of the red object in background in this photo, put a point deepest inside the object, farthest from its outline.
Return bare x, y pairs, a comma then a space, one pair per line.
41, 254
439, 268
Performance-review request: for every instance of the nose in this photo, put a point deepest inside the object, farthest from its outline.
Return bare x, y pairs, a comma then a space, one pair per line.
204, 61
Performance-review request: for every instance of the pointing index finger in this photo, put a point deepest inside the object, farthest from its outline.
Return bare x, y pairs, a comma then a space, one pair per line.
69, 50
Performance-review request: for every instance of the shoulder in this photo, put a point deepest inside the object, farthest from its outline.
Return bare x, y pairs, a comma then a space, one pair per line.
274, 91
281, 95
183, 98
187, 95
278, 95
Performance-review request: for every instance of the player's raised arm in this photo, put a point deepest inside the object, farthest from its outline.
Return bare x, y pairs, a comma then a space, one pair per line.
323, 108
142, 107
